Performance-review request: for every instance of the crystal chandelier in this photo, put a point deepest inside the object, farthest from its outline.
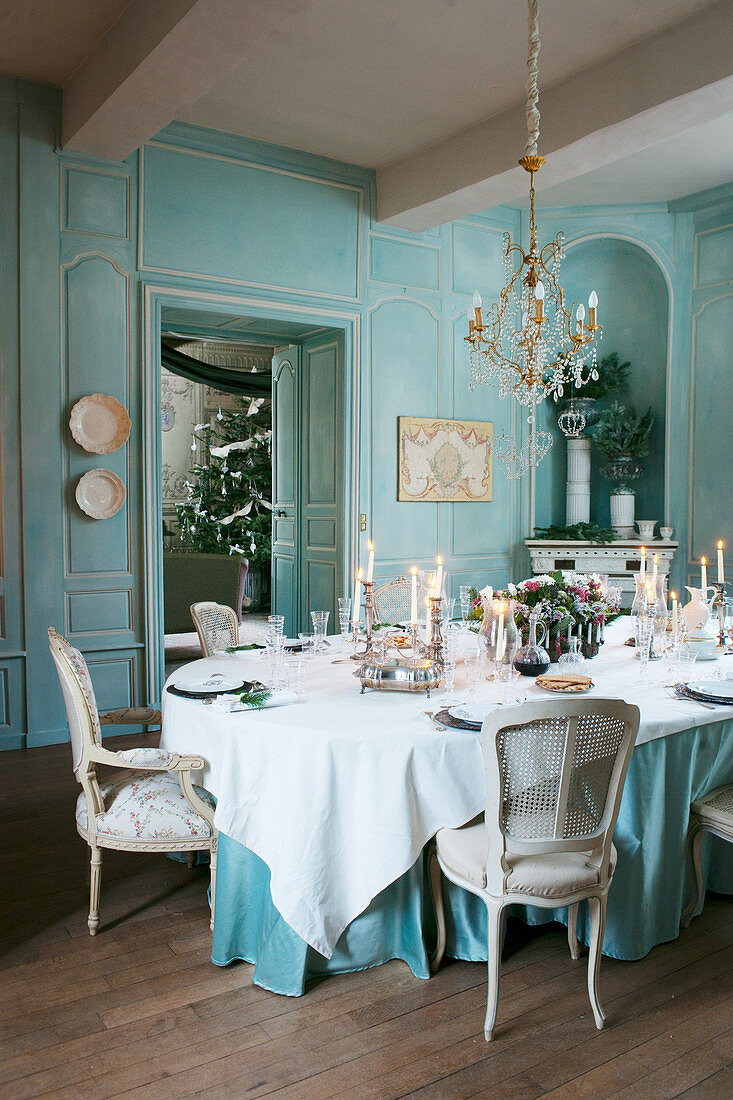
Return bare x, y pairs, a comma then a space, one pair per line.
532, 345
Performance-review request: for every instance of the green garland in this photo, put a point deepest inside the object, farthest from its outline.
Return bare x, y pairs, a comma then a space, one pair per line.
576, 532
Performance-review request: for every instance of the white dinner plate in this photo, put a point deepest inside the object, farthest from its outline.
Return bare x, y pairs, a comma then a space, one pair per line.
100, 493
99, 423
720, 689
210, 683
470, 712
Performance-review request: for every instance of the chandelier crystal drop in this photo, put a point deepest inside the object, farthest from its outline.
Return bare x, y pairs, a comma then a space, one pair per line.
532, 345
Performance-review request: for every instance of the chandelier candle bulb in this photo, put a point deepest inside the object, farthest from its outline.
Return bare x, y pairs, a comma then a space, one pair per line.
539, 297
703, 575
721, 567
592, 307
580, 314
477, 303
370, 563
413, 596
471, 323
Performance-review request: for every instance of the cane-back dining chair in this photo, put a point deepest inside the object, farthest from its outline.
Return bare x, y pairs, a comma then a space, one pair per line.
392, 601
554, 778
216, 625
150, 804
713, 813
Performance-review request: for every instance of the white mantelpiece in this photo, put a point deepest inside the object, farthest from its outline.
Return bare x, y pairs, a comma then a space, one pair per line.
618, 560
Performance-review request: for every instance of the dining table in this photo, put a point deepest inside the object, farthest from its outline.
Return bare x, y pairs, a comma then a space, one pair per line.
325, 806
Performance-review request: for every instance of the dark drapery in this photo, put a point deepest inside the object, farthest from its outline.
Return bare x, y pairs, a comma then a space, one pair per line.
229, 381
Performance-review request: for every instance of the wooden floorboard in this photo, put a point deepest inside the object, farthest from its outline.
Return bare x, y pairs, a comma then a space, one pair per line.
140, 1011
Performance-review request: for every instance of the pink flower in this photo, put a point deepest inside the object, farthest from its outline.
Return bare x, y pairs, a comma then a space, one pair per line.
531, 586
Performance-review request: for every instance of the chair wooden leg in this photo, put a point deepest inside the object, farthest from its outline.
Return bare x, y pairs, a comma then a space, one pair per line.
573, 931
95, 884
436, 893
190, 860
212, 867
694, 840
597, 907
495, 921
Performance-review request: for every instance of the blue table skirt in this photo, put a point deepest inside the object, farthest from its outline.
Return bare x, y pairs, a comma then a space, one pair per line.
649, 890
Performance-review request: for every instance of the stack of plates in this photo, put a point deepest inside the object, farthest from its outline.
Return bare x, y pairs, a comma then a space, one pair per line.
708, 691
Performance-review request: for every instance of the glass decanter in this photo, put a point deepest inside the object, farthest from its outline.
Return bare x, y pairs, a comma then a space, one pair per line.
499, 634
532, 659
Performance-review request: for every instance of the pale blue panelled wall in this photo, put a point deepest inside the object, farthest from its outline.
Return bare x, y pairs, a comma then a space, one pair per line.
93, 251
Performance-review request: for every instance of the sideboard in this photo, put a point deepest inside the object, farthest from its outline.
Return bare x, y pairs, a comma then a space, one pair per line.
619, 561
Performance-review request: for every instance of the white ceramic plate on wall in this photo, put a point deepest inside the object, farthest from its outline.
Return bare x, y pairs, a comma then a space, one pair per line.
99, 423
100, 493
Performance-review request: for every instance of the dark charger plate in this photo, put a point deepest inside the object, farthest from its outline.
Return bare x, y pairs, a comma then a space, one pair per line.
447, 719
246, 685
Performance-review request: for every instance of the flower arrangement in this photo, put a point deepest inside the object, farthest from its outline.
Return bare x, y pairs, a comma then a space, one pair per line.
565, 601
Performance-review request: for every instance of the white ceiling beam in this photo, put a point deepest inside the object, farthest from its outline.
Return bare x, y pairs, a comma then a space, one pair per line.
159, 58
648, 92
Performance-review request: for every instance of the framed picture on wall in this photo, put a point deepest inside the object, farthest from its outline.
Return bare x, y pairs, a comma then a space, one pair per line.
444, 460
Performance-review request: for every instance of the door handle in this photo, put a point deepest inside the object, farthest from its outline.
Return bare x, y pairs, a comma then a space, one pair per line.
279, 512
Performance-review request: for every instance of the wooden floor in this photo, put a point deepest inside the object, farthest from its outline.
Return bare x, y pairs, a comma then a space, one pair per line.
141, 1011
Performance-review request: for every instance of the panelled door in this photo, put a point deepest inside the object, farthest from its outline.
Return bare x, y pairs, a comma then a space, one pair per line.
285, 581
308, 479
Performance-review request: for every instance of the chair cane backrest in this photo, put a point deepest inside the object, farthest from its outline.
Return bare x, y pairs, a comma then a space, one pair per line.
211, 620
555, 774
392, 601
78, 692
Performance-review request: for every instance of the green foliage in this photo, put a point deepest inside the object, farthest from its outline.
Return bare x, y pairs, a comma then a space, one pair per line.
622, 432
581, 532
236, 484
613, 377
256, 698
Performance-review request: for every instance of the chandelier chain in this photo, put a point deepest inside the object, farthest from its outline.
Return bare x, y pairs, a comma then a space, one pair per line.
533, 92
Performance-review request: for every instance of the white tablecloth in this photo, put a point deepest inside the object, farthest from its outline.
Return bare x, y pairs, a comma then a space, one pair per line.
339, 793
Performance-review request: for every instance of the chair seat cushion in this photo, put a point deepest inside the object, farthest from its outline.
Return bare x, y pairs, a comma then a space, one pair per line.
146, 808
464, 851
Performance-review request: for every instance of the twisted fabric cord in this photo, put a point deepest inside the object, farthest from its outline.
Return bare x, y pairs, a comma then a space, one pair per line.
533, 95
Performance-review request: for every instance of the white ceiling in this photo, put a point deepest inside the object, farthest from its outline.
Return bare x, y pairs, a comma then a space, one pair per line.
371, 83
375, 83
47, 40
692, 161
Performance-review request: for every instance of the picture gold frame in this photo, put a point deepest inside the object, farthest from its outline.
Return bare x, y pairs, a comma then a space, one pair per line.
444, 460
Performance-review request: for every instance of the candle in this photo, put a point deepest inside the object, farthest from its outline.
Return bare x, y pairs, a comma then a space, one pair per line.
431, 591
721, 567
439, 577
500, 634
649, 593
570, 633
674, 611
413, 596
370, 564
643, 561
590, 633
655, 560
703, 575
598, 633
356, 605
477, 303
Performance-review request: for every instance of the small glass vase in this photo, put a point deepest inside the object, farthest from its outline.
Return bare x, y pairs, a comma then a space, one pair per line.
498, 633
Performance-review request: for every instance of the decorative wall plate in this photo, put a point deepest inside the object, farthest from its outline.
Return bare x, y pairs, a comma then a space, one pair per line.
100, 493
99, 423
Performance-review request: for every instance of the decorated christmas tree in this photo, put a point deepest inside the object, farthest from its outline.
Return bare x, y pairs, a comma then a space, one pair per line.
229, 506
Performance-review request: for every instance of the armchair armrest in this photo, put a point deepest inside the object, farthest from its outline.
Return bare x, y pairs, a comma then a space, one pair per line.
147, 759
131, 716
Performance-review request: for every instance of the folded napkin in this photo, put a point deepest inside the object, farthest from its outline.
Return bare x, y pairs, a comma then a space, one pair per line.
232, 703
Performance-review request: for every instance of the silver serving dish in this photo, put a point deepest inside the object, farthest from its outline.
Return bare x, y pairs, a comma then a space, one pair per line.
399, 675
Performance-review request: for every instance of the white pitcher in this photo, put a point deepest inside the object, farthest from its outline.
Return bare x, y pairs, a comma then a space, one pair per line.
697, 612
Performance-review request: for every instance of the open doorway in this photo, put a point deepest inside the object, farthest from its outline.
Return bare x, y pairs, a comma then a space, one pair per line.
227, 455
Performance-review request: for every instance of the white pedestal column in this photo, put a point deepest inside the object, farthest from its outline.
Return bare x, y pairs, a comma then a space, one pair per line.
577, 488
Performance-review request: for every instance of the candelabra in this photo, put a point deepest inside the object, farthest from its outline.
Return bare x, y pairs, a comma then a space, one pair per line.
434, 645
720, 587
368, 651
